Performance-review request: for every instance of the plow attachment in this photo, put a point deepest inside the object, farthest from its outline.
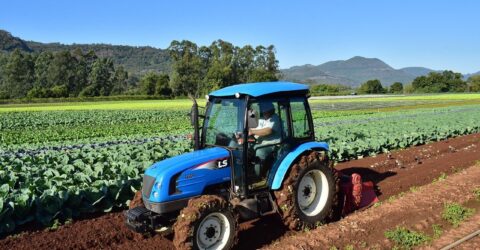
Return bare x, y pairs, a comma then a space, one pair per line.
356, 193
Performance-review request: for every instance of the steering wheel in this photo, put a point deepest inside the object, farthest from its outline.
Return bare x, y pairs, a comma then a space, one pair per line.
238, 137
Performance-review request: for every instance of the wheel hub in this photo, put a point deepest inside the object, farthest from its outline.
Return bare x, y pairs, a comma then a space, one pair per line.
307, 191
312, 192
210, 233
213, 231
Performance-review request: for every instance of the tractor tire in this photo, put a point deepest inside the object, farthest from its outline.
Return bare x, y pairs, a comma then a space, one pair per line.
338, 198
206, 223
309, 195
137, 200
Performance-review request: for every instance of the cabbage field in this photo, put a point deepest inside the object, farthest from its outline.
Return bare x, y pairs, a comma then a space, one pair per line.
60, 161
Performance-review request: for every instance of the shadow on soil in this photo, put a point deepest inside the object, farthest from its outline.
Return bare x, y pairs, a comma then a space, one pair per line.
261, 232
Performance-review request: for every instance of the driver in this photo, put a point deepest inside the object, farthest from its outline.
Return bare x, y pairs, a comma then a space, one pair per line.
267, 132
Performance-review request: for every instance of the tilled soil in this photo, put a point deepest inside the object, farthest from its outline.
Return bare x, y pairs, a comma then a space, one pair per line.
392, 173
416, 210
454, 234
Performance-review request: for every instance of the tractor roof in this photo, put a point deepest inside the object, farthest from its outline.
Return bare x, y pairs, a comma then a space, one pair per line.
261, 88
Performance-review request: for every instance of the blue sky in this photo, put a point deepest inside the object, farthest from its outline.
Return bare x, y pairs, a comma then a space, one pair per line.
438, 34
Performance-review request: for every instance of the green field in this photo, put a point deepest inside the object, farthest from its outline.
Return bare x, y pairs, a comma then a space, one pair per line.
61, 160
380, 102
105, 105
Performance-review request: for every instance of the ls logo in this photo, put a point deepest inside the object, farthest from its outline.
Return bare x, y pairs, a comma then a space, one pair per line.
222, 163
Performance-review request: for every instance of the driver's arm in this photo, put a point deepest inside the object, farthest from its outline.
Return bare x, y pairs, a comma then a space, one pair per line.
260, 131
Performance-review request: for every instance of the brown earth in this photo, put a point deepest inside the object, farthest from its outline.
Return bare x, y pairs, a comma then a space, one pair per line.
416, 210
392, 173
454, 234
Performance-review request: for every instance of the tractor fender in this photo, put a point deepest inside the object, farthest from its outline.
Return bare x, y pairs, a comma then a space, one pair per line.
291, 157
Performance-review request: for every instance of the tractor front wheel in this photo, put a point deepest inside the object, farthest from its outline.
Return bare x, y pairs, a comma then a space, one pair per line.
309, 192
206, 223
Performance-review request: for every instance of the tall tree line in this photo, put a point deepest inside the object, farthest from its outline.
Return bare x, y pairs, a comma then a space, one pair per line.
196, 70
61, 74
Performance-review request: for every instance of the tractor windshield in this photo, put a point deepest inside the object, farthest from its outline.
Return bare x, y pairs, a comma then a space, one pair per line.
224, 122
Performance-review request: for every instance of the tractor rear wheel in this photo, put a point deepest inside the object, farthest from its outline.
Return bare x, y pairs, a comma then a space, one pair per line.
206, 223
309, 193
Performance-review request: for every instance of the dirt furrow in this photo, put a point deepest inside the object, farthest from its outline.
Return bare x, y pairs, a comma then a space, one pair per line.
450, 236
417, 210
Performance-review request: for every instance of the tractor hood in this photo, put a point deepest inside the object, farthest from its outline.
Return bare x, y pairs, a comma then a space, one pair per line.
186, 175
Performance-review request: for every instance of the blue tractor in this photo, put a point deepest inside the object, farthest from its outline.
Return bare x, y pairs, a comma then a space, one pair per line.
255, 154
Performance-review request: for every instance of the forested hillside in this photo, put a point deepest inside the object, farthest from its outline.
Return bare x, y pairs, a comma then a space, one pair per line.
136, 60
36, 70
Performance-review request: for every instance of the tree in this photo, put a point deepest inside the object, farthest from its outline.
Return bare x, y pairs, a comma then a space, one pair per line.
371, 87
474, 83
82, 69
42, 65
3, 62
155, 84
61, 71
19, 74
454, 81
266, 65
148, 83
162, 87
329, 89
434, 82
120, 81
100, 78
245, 63
187, 72
221, 69
408, 89
396, 88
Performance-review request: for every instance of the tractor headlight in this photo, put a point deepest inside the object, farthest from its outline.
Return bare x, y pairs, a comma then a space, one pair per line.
156, 194
158, 185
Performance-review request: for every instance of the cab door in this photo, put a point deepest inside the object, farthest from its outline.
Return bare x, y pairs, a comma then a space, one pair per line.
265, 151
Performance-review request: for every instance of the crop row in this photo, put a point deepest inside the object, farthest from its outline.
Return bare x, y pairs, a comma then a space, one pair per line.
39, 127
368, 137
61, 184
47, 119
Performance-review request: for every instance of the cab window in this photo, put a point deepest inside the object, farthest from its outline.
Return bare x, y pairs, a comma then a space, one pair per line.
300, 124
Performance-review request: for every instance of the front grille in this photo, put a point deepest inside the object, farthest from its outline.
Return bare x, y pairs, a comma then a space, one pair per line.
148, 182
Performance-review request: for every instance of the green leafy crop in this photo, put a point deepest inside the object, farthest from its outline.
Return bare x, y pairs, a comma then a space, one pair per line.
406, 238
456, 213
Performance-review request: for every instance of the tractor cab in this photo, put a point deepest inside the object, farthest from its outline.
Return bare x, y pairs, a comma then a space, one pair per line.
258, 129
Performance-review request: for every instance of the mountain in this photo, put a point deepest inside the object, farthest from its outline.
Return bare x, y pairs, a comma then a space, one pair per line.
466, 76
10, 43
136, 60
417, 71
352, 72
310, 73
